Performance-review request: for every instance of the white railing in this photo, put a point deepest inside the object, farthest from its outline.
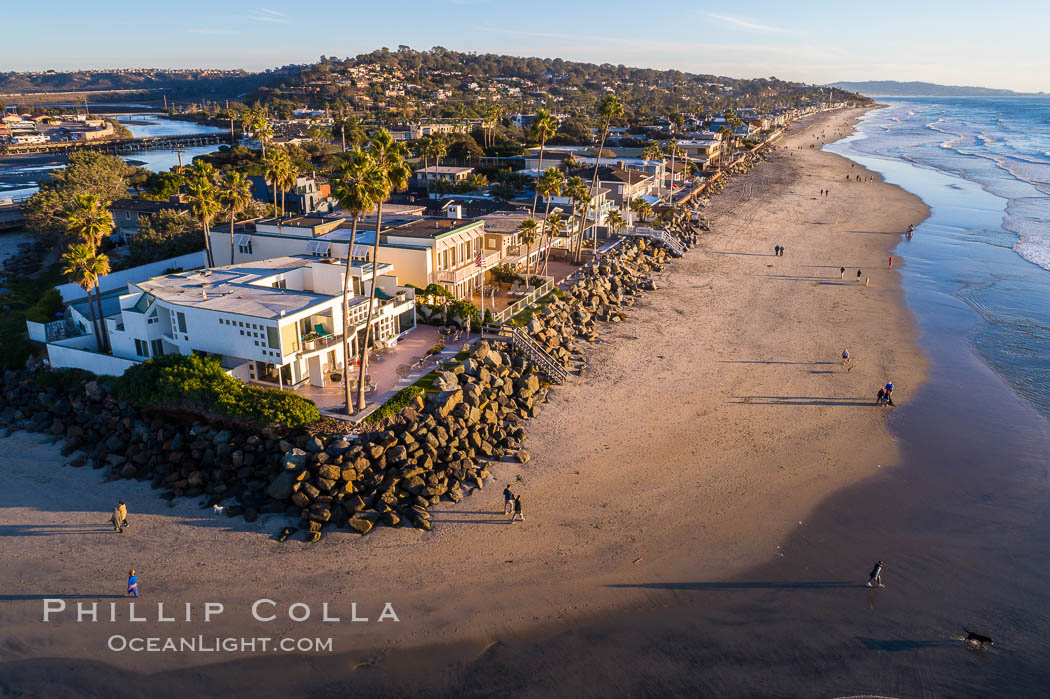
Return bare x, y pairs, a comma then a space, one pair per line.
534, 295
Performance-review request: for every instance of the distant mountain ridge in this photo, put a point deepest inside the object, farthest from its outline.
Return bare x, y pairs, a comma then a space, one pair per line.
894, 88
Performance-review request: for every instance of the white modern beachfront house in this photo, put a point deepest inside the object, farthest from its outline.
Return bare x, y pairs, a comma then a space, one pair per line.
277, 321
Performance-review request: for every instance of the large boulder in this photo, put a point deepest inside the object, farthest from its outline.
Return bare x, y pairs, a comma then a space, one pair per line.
281, 487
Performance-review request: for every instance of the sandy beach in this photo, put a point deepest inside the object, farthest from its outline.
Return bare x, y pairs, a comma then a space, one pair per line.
706, 430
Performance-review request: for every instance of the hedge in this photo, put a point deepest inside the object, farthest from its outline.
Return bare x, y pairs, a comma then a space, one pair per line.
199, 384
396, 404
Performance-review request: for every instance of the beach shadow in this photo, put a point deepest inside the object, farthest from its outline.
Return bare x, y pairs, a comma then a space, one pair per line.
439, 520
877, 232
766, 361
803, 400
810, 278
15, 598
823, 371
747, 254
894, 645
53, 529
745, 585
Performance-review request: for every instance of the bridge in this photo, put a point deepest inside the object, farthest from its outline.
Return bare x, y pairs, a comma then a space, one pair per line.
132, 145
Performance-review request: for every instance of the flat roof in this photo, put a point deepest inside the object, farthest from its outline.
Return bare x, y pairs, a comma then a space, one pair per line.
431, 227
234, 289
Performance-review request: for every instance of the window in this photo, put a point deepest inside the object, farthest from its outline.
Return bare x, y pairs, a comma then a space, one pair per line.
141, 348
182, 321
157, 348
246, 249
272, 338
280, 284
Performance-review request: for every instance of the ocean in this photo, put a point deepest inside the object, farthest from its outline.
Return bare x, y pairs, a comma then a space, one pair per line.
983, 166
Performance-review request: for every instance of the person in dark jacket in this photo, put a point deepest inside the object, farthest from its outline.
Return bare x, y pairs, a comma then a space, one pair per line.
518, 512
508, 500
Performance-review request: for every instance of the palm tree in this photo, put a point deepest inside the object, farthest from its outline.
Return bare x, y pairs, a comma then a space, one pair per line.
642, 208
358, 186
263, 130
235, 194
431, 147
652, 151
609, 108
550, 184
614, 219
83, 265
576, 190
673, 149
287, 174
272, 165
204, 207
544, 125
89, 221
528, 230
389, 158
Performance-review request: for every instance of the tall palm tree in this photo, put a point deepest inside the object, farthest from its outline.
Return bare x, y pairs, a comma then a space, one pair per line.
287, 174
609, 108
204, 206
544, 125
83, 265
89, 221
272, 165
673, 150
390, 159
550, 184
528, 230
358, 186
235, 194
576, 190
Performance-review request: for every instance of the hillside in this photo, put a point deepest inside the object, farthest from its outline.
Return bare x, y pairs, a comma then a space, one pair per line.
893, 88
450, 84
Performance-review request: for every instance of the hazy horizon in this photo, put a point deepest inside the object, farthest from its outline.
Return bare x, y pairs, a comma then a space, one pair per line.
808, 41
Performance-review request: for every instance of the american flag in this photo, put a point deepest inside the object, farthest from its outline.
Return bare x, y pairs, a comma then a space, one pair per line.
480, 260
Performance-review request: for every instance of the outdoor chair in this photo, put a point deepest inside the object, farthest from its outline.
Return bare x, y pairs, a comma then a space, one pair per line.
322, 334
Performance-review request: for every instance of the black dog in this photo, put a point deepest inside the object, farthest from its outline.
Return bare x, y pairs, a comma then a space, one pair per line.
979, 638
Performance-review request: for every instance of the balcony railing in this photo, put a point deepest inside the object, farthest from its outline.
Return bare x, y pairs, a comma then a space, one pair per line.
468, 270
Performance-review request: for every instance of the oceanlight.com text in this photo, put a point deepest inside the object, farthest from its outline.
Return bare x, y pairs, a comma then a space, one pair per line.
217, 644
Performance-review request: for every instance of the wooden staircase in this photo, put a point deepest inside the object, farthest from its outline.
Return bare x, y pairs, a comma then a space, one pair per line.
521, 341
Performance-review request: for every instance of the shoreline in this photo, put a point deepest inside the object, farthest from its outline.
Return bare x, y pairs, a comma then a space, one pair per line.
571, 525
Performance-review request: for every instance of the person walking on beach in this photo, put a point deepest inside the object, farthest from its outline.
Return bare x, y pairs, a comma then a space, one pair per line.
518, 512
891, 260
876, 575
847, 361
776, 251
858, 276
133, 584
842, 272
118, 521
508, 500
782, 250
123, 509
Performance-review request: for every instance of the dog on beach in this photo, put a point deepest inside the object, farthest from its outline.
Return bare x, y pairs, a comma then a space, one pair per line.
217, 509
978, 638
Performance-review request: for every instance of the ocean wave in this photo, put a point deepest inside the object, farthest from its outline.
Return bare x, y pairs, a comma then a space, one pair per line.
1029, 218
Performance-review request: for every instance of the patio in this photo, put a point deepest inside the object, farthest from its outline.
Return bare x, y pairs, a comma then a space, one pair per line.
383, 371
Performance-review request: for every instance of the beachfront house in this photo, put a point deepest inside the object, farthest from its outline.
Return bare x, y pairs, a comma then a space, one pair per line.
275, 322
423, 250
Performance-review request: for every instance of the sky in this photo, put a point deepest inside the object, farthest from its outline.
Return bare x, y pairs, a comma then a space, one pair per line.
1002, 45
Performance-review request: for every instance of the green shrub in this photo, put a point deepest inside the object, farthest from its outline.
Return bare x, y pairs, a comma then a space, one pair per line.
47, 307
398, 402
197, 383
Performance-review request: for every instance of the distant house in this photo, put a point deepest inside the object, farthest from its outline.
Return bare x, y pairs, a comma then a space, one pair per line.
26, 137
307, 196
446, 173
128, 214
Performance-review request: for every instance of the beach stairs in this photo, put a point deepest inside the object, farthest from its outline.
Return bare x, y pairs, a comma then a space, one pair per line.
670, 242
520, 340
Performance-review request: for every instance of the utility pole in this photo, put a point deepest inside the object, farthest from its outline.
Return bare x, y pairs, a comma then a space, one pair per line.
342, 128
179, 150
165, 102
